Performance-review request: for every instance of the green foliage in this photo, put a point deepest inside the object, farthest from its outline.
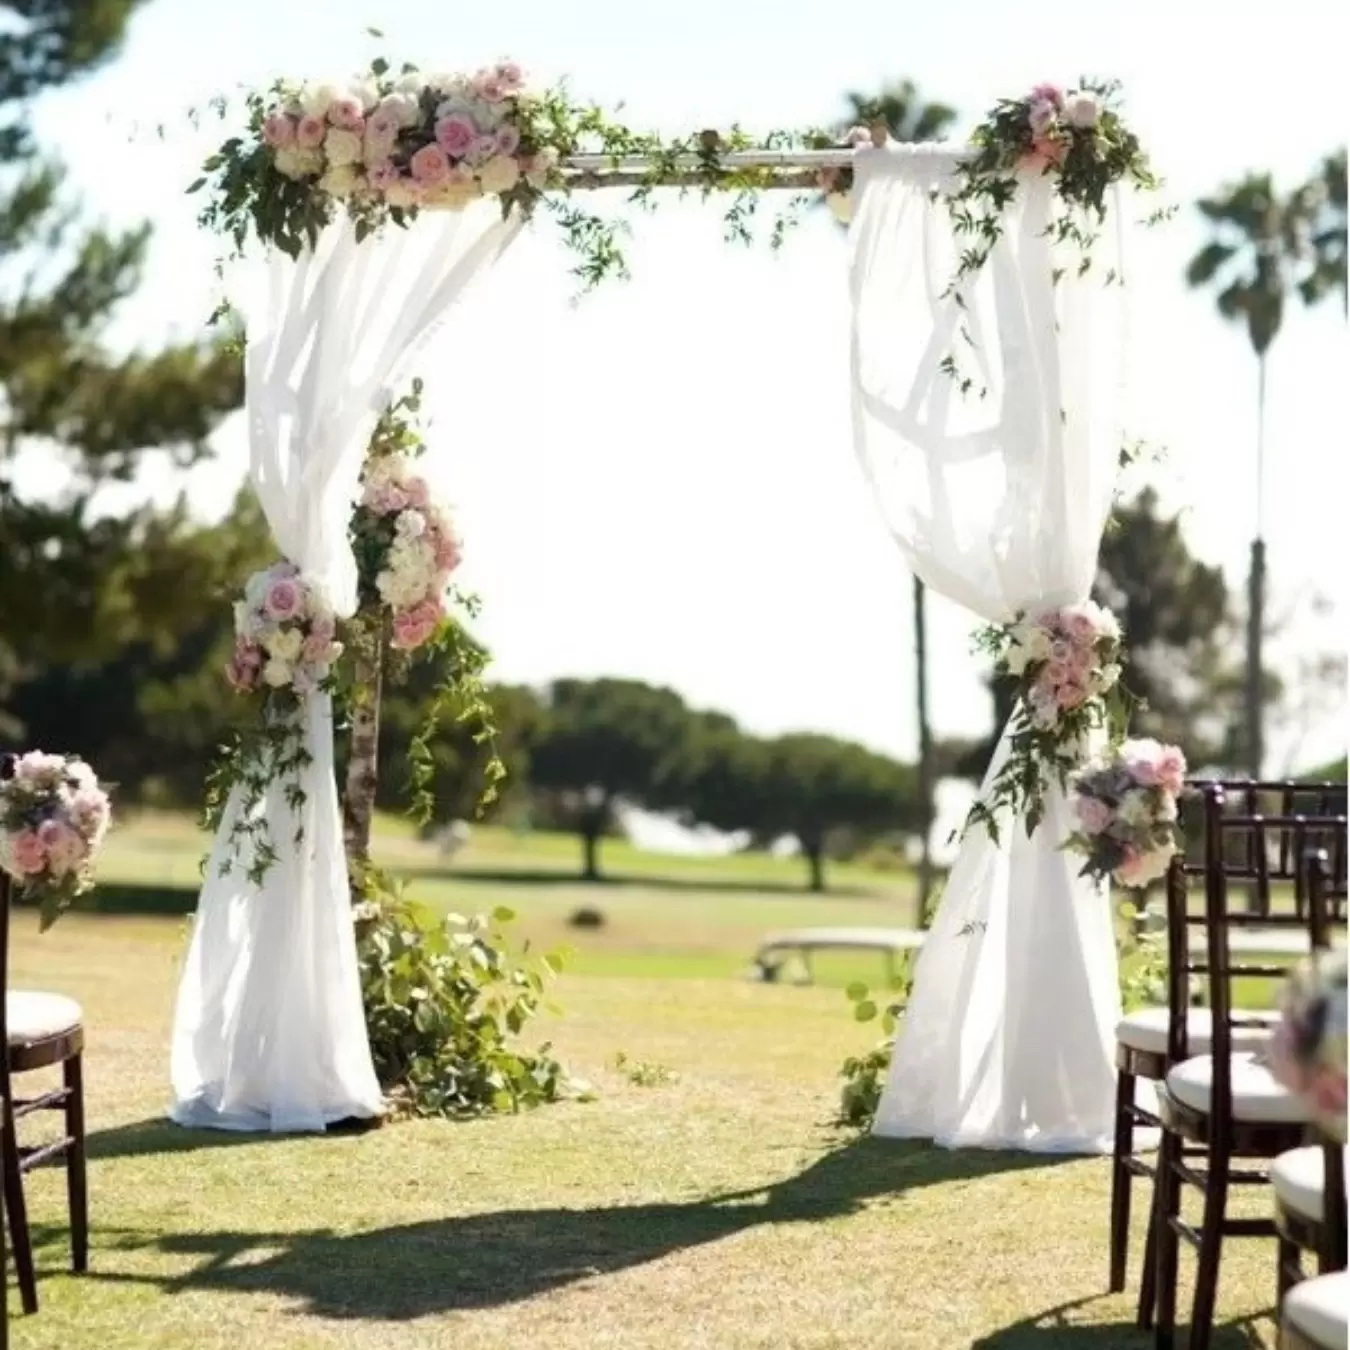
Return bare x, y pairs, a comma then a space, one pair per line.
445, 1003
865, 1075
644, 1073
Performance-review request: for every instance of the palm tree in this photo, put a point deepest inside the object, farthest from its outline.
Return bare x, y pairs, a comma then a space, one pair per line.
1325, 204
1260, 252
907, 117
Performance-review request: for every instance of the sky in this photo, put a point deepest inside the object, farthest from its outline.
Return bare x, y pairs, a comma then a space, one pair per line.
659, 481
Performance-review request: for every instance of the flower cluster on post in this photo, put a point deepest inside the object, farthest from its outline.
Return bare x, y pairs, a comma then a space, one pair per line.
1066, 664
53, 818
285, 634
1126, 806
434, 142
407, 547
1308, 1050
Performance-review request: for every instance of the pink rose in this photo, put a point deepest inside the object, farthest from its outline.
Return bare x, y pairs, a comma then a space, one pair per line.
508, 139
409, 631
383, 175
429, 165
1129, 870
241, 675
310, 131
283, 600
1045, 152
448, 553
456, 134
482, 150
1171, 770
323, 628
89, 811
1327, 1091
347, 113
382, 129
278, 130
317, 649
65, 849
1144, 772
1070, 694
1079, 626
30, 856
1093, 814
510, 77
1048, 93
489, 86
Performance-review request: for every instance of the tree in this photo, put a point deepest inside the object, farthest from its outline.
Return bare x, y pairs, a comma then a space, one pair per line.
60, 390
1324, 203
907, 117
806, 785
604, 741
1260, 251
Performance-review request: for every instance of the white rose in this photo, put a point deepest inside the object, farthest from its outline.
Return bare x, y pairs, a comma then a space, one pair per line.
277, 674
1167, 808
1104, 679
401, 194
1080, 109
342, 147
1015, 658
316, 99
294, 162
340, 181
411, 524
411, 83
403, 108
1037, 644
284, 643
366, 93
500, 174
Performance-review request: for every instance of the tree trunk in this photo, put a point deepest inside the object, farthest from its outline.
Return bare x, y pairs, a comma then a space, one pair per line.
815, 857
358, 800
590, 843
926, 784
1255, 737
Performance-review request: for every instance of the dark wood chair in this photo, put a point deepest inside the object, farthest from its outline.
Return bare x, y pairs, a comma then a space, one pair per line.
1309, 1182
39, 1030
1226, 1101
1141, 1036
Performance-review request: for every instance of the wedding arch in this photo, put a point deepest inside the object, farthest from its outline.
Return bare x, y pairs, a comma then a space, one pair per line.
986, 351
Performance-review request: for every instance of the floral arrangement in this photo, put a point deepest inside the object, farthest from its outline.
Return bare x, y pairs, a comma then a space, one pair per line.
53, 817
1308, 1050
1066, 664
1076, 135
837, 184
284, 634
1126, 805
406, 548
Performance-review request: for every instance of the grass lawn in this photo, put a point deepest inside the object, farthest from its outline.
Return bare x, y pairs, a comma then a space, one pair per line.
717, 1208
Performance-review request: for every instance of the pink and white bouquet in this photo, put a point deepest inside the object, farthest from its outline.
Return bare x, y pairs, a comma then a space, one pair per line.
1308, 1050
410, 141
284, 634
1066, 664
1126, 806
53, 818
406, 549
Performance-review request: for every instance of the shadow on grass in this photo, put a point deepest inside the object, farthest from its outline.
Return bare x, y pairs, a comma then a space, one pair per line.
1057, 1329
508, 876
148, 1138
490, 1260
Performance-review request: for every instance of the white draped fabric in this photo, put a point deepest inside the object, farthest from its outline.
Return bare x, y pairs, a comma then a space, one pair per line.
269, 1032
997, 498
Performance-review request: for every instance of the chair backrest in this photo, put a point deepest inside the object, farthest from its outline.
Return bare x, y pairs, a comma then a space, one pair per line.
6, 895
1246, 853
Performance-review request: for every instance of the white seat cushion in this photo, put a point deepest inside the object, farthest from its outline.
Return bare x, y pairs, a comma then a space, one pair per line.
1298, 1180
33, 1016
1257, 1097
1319, 1307
1146, 1029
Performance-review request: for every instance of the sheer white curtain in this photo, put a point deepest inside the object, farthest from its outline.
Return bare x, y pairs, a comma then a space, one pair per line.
997, 498
269, 1032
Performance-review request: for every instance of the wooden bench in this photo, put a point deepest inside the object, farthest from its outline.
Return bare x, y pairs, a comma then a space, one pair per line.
776, 949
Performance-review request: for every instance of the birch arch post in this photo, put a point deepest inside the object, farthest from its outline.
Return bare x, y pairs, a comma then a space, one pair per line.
980, 315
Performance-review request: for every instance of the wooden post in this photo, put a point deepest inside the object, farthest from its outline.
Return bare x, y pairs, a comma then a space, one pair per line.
358, 800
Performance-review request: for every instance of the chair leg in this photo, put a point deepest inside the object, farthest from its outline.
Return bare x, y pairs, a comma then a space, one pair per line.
76, 1176
1169, 1207
1148, 1274
16, 1211
1122, 1148
1289, 1268
1211, 1249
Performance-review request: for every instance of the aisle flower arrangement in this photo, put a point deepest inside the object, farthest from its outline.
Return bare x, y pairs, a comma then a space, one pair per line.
1066, 665
406, 549
1308, 1049
285, 635
53, 818
1125, 803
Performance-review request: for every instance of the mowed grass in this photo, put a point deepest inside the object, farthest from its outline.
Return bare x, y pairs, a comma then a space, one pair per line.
718, 1208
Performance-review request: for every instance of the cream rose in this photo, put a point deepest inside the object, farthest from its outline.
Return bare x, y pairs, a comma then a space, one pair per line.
402, 195
316, 99
277, 674
342, 147
292, 162
499, 174
340, 181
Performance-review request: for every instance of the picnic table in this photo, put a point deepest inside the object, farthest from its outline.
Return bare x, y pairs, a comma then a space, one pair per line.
775, 951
